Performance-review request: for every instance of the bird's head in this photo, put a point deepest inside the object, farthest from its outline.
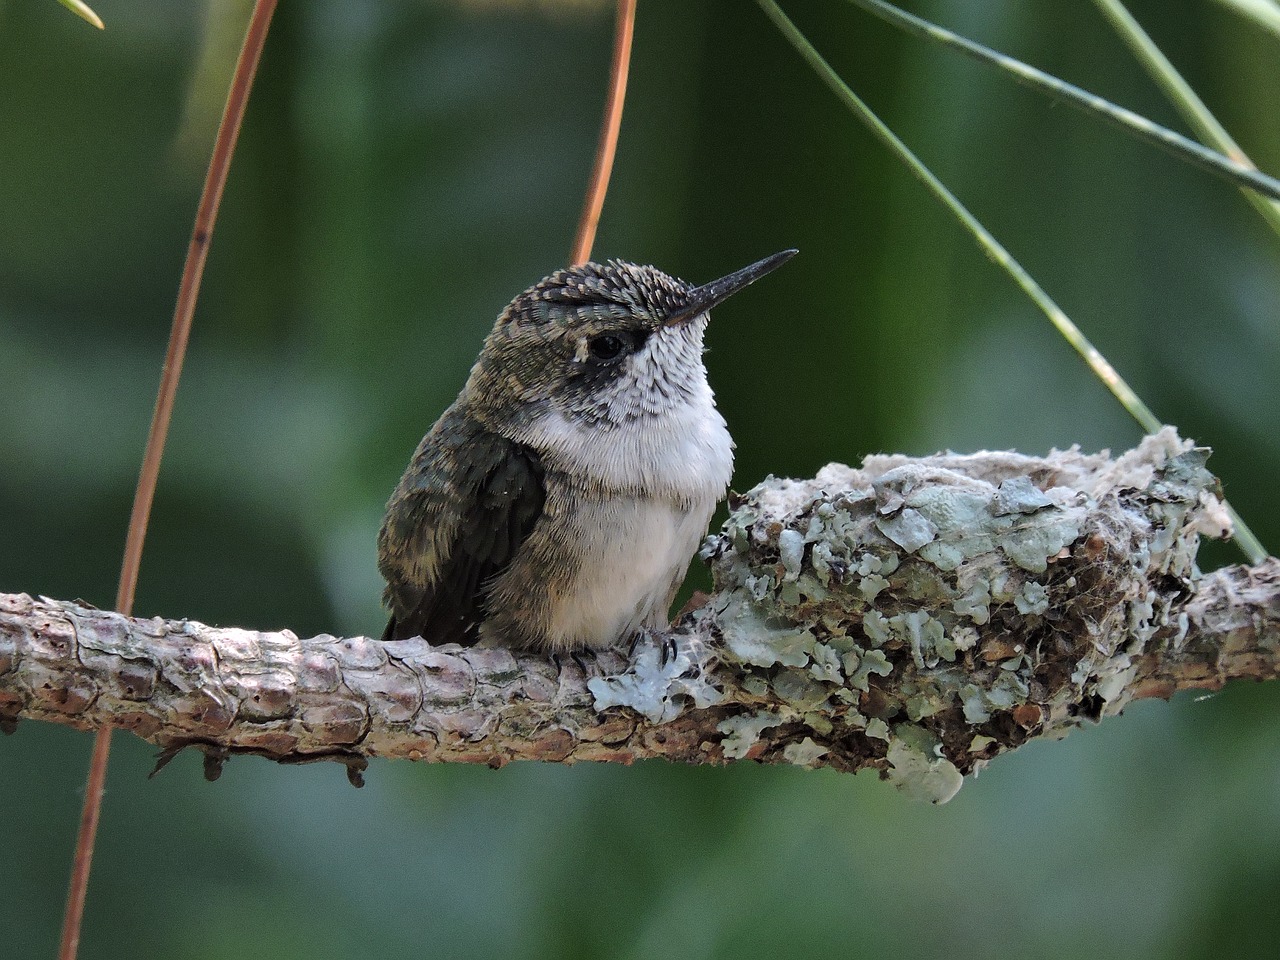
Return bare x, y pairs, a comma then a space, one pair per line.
603, 343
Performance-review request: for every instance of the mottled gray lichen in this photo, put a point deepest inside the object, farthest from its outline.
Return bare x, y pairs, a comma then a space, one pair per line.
937, 612
742, 730
657, 684
918, 767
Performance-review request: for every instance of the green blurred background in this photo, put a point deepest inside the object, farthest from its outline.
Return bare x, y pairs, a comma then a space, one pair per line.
406, 167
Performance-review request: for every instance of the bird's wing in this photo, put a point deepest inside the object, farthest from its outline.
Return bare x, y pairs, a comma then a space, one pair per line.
467, 502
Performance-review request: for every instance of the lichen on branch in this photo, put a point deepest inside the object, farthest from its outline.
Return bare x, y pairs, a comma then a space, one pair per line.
915, 616
939, 611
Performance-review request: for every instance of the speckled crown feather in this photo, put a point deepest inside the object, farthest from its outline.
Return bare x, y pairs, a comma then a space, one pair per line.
643, 290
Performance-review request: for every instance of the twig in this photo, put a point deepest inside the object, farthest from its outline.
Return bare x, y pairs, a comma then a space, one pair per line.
84, 12
1185, 99
180, 332
1227, 162
599, 184
1263, 13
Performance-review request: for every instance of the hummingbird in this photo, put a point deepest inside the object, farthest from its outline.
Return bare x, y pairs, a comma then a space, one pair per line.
557, 503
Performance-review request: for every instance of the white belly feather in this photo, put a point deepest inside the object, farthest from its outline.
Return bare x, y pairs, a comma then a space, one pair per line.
634, 555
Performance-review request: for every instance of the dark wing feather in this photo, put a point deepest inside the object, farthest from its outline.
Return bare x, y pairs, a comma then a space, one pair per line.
470, 498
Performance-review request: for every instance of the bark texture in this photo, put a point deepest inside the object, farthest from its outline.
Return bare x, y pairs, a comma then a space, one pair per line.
915, 616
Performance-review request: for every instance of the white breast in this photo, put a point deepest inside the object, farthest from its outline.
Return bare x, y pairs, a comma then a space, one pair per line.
627, 505
686, 452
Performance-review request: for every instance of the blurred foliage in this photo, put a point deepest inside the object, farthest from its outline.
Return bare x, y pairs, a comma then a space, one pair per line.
405, 168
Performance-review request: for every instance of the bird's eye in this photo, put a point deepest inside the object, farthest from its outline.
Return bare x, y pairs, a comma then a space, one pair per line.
607, 346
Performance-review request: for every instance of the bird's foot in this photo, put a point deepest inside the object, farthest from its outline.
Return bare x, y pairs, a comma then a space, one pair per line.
669, 651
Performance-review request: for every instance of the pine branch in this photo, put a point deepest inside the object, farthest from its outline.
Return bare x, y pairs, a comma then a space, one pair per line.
916, 616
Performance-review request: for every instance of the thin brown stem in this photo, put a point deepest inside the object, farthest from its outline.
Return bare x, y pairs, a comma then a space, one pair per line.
608, 145
180, 332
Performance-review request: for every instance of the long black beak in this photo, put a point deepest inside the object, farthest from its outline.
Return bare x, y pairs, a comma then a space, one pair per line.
703, 298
